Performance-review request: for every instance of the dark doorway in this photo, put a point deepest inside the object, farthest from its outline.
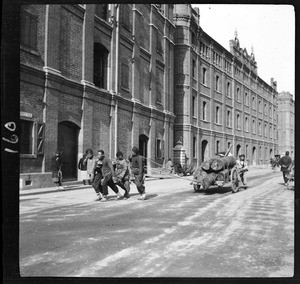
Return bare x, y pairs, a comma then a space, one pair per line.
68, 144
143, 142
204, 150
238, 151
254, 155
143, 147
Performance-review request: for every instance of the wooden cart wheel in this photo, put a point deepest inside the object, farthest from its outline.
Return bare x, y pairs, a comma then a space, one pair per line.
234, 180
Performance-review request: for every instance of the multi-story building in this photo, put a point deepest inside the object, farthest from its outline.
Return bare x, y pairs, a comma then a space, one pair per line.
220, 101
286, 124
94, 76
111, 76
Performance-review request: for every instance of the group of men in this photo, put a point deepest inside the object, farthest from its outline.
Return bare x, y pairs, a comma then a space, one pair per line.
101, 172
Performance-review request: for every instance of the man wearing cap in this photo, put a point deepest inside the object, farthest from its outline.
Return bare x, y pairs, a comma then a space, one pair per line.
285, 163
242, 168
137, 168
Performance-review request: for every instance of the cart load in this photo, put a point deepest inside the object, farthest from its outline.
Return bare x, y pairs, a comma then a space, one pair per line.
217, 170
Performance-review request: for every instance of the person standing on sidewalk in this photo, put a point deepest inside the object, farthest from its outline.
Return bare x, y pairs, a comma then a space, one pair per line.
242, 168
89, 161
285, 163
122, 174
108, 175
56, 164
82, 167
137, 168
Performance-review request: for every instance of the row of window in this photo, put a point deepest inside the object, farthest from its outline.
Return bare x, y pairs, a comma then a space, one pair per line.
217, 59
238, 149
229, 119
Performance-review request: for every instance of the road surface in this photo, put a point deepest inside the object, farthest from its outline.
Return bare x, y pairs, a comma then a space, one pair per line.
175, 233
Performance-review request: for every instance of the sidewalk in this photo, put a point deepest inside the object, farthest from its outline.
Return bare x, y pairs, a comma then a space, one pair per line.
76, 185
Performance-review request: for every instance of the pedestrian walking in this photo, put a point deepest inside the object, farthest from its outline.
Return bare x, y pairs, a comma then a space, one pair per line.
89, 162
242, 167
56, 164
108, 174
82, 166
285, 163
97, 178
122, 174
137, 168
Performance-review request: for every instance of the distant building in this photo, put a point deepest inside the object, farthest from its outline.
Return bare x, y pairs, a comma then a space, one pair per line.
111, 76
220, 101
286, 123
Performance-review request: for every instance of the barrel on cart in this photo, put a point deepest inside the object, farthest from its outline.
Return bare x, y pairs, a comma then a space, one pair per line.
217, 171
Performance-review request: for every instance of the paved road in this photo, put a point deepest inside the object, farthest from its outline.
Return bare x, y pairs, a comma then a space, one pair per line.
175, 233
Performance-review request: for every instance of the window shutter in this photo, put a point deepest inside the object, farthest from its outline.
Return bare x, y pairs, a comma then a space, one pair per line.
40, 138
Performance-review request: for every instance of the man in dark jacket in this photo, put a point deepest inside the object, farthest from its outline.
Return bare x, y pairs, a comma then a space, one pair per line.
285, 163
107, 177
137, 168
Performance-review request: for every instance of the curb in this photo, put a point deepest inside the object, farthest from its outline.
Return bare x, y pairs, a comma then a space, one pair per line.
75, 185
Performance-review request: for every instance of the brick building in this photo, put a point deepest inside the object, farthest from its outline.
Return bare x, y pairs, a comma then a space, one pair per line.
286, 123
220, 101
94, 76
110, 76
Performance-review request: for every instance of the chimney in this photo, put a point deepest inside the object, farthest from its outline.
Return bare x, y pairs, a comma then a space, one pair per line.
273, 84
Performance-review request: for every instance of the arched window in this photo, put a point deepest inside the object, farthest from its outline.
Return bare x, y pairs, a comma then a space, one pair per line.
253, 126
217, 87
238, 121
194, 111
228, 90
217, 115
204, 76
204, 111
217, 147
100, 65
194, 146
228, 119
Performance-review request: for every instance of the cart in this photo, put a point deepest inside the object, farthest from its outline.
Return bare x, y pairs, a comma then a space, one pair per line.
229, 178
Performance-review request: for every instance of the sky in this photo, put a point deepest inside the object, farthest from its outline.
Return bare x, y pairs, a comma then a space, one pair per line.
270, 29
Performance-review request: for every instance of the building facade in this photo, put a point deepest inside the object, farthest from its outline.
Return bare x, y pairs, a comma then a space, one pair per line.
286, 124
111, 76
94, 76
220, 101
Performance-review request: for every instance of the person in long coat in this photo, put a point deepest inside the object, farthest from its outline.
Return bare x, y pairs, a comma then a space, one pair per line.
137, 168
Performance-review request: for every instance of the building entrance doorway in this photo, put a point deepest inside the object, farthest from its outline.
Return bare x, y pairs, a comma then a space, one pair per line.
254, 155
238, 151
67, 144
143, 147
